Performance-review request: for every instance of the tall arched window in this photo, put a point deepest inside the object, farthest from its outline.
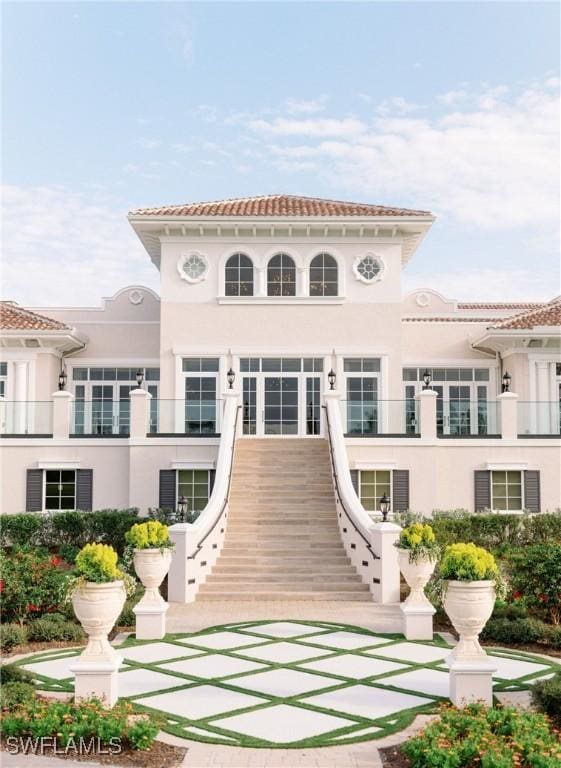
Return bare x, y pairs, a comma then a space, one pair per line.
281, 276
323, 276
239, 276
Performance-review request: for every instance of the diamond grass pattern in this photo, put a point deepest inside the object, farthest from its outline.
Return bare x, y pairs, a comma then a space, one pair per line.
286, 683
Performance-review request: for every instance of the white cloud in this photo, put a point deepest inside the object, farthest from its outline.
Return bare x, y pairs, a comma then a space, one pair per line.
348, 126
62, 248
492, 164
295, 106
396, 105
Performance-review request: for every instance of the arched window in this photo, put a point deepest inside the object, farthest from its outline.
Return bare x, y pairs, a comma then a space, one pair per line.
239, 276
281, 276
323, 276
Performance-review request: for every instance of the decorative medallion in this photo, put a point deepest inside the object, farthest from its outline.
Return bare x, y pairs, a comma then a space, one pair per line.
192, 267
136, 296
368, 268
422, 299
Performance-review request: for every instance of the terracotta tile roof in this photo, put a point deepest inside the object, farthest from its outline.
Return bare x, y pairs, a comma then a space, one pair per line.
546, 315
15, 318
498, 305
277, 205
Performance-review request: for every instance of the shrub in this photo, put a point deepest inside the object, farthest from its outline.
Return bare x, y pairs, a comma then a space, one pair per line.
466, 562
31, 583
13, 694
46, 631
419, 540
68, 552
509, 611
86, 720
535, 572
98, 563
21, 530
489, 738
152, 534
9, 673
11, 635
546, 695
516, 631
554, 637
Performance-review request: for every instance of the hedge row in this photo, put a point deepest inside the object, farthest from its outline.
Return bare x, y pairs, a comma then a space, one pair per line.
497, 532
72, 529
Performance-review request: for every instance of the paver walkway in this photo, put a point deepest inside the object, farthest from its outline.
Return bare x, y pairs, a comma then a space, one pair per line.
296, 684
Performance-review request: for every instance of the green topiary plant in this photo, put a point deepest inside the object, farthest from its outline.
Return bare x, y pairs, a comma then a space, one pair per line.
419, 540
150, 535
98, 563
466, 562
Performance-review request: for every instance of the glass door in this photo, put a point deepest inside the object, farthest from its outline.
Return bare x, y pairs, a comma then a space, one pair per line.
313, 405
102, 409
200, 405
362, 405
249, 404
459, 410
280, 405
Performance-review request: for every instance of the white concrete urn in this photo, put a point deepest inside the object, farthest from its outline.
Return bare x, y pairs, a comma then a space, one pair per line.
151, 566
469, 605
97, 607
417, 575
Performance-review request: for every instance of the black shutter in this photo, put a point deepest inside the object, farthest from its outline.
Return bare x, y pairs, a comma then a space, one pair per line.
482, 489
354, 480
167, 489
84, 489
34, 490
211, 478
400, 490
532, 490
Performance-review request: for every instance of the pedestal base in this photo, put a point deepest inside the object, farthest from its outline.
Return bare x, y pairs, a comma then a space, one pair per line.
150, 621
471, 682
97, 679
417, 621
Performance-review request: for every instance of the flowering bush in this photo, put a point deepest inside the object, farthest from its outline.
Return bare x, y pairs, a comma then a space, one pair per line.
535, 576
420, 541
32, 582
466, 562
150, 535
489, 738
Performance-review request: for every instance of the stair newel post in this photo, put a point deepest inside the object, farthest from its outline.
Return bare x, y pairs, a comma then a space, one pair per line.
383, 538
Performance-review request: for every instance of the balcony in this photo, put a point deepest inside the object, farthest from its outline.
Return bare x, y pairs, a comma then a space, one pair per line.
26, 418
100, 418
193, 418
380, 418
539, 419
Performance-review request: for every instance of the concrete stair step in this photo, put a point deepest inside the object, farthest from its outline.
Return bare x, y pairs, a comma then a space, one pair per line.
251, 579
281, 595
287, 586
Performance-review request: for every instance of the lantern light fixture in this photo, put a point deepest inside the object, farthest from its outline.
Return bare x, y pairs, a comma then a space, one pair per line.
182, 508
507, 378
139, 378
427, 378
62, 379
384, 507
331, 379
230, 377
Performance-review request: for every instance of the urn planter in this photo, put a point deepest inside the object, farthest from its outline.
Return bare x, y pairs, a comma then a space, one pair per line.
151, 566
97, 607
469, 605
417, 575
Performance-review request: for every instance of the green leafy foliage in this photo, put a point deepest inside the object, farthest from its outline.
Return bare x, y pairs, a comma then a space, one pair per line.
150, 535
67, 720
546, 695
15, 693
11, 635
514, 631
49, 629
98, 563
488, 738
9, 673
32, 582
535, 576
466, 562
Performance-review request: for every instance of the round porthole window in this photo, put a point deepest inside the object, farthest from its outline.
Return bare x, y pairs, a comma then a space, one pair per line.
192, 267
368, 268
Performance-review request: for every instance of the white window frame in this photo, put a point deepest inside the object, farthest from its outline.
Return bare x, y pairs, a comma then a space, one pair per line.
44, 490
371, 468
522, 500
193, 469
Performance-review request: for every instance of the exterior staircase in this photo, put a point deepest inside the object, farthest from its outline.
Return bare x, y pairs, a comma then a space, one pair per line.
282, 541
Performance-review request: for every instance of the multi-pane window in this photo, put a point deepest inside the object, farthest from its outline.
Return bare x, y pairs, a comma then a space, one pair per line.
281, 276
249, 405
447, 374
114, 374
362, 365
239, 276
195, 486
60, 489
362, 405
323, 275
200, 364
313, 405
200, 394
506, 490
281, 364
3, 378
373, 484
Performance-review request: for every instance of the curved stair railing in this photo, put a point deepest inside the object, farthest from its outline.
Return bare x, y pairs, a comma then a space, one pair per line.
198, 544
369, 545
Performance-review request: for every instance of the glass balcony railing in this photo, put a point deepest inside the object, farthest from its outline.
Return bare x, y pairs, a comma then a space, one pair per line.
26, 417
539, 418
380, 417
185, 417
98, 418
468, 418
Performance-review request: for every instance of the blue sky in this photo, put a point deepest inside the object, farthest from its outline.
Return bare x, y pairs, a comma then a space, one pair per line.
447, 106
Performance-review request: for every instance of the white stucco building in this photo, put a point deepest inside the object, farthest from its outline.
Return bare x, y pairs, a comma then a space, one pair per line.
281, 290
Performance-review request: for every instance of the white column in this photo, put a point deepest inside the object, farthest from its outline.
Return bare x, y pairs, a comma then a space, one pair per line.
302, 289
21, 373
426, 399
261, 281
383, 537
542, 396
140, 412
509, 415
62, 414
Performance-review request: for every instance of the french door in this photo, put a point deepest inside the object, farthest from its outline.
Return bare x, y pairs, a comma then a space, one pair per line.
104, 409
281, 405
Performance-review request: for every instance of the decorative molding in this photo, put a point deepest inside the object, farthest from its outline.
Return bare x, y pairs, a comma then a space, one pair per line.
192, 465
422, 299
136, 296
62, 464
371, 259
192, 267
